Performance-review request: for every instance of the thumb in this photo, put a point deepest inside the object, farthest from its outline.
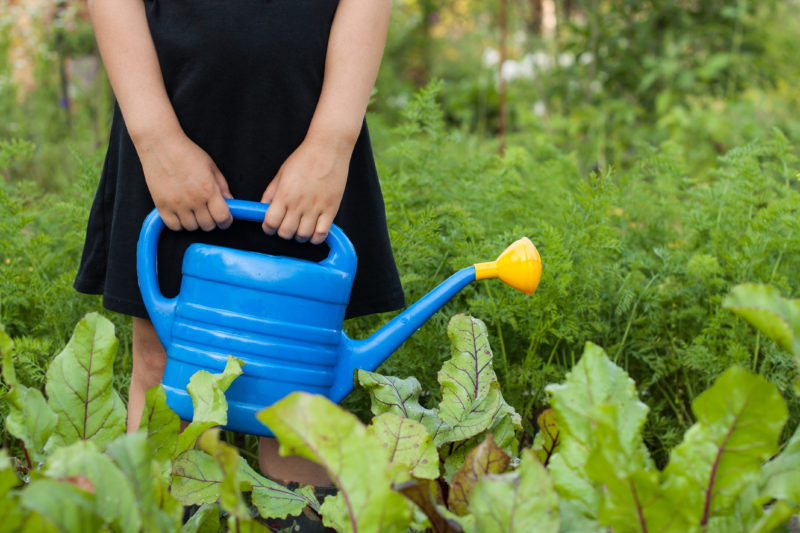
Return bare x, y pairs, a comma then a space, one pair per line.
269, 193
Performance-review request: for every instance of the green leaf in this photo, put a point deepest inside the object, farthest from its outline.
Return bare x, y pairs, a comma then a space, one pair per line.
36, 523
205, 520
776, 317
208, 397
781, 475
311, 426
272, 499
6, 345
739, 422
632, 498
519, 501
115, 499
159, 511
779, 514
592, 383
9, 374
63, 505
79, 386
30, 419
547, 440
746, 516
8, 480
227, 457
161, 423
409, 444
503, 434
471, 396
389, 394
427, 495
9, 505
486, 458
208, 392
196, 478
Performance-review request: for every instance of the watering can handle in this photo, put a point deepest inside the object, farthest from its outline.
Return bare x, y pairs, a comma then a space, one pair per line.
342, 257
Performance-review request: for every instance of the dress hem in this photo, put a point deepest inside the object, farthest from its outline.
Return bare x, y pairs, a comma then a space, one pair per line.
392, 302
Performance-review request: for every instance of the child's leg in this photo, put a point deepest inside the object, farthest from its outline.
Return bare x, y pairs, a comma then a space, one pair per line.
149, 360
289, 468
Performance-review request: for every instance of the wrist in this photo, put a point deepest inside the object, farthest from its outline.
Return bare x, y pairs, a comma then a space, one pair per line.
340, 139
145, 137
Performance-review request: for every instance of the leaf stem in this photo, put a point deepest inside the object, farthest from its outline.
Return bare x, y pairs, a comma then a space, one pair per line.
639, 510
27, 455
713, 475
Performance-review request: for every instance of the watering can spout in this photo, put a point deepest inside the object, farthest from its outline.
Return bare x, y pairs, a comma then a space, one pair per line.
518, 266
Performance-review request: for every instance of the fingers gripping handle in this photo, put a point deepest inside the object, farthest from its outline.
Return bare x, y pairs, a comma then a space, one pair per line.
342, 256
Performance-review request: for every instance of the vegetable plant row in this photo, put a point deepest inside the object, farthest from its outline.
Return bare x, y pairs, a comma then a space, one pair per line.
455, 467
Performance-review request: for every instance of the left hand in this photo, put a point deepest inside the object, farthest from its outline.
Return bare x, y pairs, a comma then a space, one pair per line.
305, 194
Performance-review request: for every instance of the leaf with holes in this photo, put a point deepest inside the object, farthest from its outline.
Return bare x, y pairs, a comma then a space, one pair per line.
79, 386
486, 458
739, 422
311, 426
409, 444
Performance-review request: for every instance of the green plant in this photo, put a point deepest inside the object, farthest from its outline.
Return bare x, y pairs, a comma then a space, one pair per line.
636, 259
725, 475
80, 470
41, 238
457, 464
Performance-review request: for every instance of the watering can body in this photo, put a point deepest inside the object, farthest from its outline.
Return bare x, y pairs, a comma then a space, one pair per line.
282, 317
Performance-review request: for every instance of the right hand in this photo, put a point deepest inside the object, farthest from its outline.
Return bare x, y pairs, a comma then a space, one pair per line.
187, 188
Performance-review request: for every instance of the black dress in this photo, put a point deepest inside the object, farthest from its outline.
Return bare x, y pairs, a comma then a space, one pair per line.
244, 77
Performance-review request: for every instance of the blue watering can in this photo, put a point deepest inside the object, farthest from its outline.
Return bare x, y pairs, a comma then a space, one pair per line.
282, 317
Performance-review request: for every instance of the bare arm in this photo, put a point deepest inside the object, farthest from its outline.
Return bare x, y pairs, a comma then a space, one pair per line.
186, 186
307, 190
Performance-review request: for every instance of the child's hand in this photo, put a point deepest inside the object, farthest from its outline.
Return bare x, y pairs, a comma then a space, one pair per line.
187, 188
305, 194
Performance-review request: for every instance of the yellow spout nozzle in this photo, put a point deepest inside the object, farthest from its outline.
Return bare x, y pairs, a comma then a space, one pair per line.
518, 266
